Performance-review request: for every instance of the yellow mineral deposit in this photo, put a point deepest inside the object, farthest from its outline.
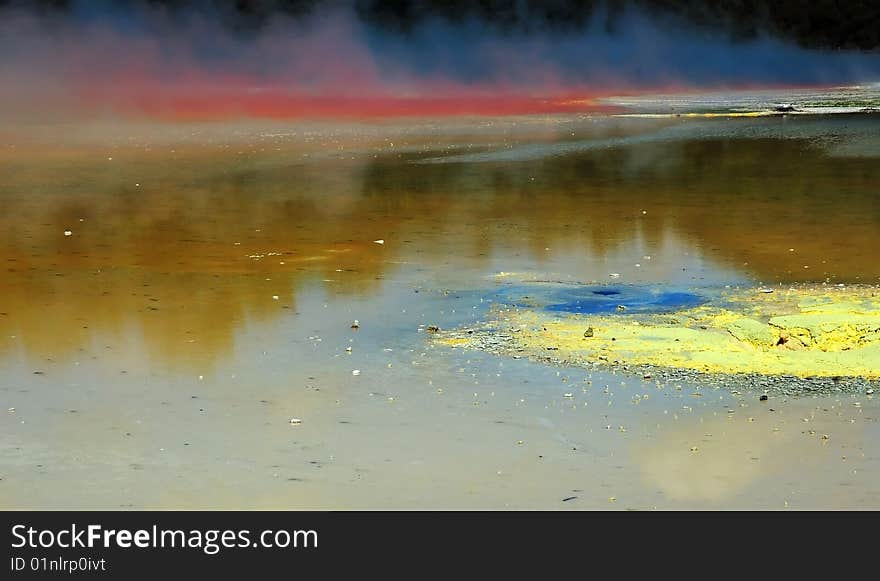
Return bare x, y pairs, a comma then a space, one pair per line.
805, 331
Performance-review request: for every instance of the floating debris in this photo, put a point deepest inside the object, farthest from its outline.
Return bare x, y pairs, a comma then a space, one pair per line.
380, 241
295, 421
68, 233
355, 372
432, 329
356, 324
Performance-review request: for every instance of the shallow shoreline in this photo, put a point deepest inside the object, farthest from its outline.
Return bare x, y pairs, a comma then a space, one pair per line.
762, 113
847, 100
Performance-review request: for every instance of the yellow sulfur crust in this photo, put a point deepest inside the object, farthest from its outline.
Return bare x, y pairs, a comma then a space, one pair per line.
811, 331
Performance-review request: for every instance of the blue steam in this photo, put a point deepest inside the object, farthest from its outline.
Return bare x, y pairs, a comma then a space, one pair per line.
638, 52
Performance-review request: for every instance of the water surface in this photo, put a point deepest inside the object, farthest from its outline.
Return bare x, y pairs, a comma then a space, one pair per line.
172, 296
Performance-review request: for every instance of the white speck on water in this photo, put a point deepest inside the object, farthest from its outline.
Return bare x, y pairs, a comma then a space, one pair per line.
68, 233
355, 372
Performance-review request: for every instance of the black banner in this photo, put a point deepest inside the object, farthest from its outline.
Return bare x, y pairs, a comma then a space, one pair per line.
123, 544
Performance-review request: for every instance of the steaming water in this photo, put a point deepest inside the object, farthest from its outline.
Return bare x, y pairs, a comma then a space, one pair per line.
171, 297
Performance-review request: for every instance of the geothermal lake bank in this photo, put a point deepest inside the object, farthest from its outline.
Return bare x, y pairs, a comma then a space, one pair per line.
177, 308
796, 341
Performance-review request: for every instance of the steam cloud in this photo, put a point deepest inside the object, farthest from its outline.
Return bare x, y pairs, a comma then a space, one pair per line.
330, 60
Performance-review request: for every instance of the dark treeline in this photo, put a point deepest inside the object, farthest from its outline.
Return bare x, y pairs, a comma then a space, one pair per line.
825, 24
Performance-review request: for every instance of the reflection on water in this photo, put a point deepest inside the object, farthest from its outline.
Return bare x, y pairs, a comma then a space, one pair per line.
173, 261
735, 456
188, 247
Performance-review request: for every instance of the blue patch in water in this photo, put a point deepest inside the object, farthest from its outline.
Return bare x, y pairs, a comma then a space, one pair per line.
633, 299
606, 292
